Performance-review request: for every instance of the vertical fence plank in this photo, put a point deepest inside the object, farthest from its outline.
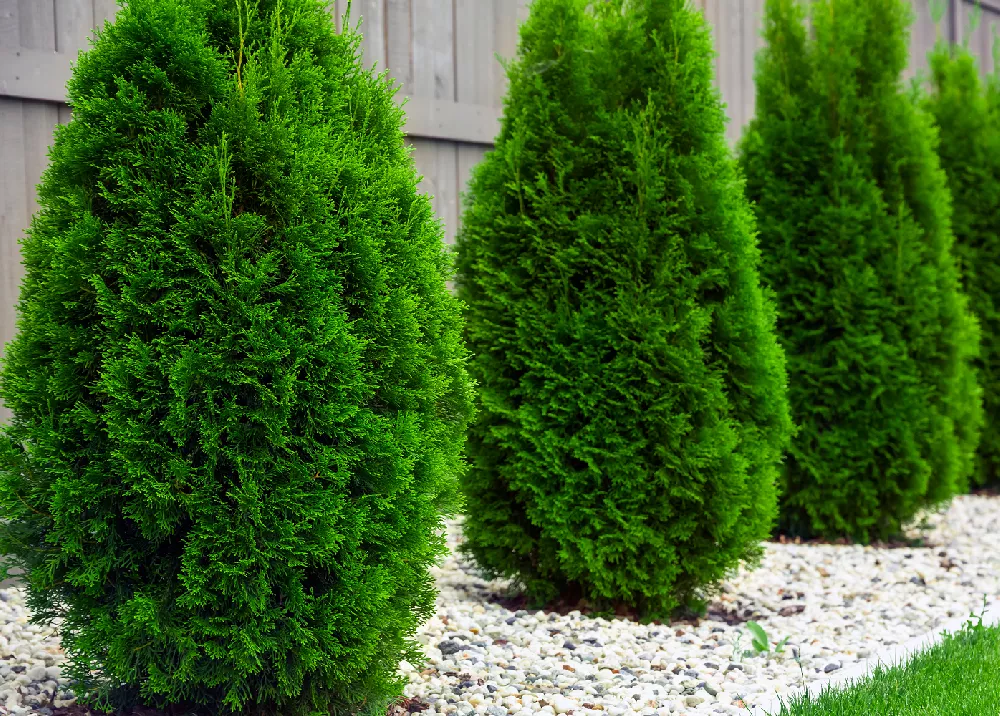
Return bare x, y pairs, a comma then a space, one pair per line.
989, 27
954, 12
9, 22
924, 34
469, 155
753, 41
505, 28
37, 32
433, 49
710, 9
372, 15
434, 77
13, 214
104, 11
476, 68
438, 163
337, 8
399, 42
435, 178
13, 197
74, 25
729, 35
477, 73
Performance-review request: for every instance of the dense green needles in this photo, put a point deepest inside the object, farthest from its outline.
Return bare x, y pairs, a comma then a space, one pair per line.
966, 113
633, 392
239, 385
854, 220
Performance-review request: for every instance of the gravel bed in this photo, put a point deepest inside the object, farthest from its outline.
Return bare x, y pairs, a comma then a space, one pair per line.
835, 604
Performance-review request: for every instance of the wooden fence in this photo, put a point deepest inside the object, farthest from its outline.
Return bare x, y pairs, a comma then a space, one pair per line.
443, 53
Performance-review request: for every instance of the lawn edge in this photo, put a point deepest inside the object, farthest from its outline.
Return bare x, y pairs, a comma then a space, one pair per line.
888, 657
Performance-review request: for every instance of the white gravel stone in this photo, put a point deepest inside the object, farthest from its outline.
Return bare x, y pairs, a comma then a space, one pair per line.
836, 605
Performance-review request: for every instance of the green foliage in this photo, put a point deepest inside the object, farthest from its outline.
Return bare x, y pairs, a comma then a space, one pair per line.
956, 676
633, 392
965, 111
854, 219
239, 387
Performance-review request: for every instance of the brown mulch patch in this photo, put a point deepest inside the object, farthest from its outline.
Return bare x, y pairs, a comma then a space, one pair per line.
899, 543
566, 605
79, 710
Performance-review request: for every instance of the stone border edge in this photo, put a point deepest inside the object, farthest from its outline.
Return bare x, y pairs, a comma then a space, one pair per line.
889, 656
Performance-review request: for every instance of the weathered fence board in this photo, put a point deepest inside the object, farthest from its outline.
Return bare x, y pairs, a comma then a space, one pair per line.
443, 53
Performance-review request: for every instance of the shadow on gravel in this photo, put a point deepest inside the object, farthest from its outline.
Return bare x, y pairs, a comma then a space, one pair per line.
518, 602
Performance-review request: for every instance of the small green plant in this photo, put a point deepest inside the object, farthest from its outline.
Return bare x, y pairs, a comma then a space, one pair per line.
737, 651
975, 621
797, 655
760, 642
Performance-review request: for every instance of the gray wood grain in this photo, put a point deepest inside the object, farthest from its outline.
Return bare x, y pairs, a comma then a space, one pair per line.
924, 34
74, 25
37, 32
399, 41
476, 68
13, 198
372, 16
506, 20
337, 9
104, 11
437, 162
469, 156
752, 41
13, 216
433, 49
36, 25
10, 34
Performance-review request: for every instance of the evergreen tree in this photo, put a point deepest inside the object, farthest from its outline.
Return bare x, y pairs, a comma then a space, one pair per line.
239, 386
633, 393
969, 127
854, 220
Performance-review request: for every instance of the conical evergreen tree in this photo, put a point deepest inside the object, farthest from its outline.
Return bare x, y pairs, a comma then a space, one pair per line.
239, 387
854, 220
969, 127
633, 392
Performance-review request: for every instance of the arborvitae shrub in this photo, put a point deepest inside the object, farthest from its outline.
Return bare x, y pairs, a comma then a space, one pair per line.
633, 392
969, 127
854, 218
239, 386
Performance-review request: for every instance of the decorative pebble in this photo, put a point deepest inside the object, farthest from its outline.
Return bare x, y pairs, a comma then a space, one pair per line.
484, 659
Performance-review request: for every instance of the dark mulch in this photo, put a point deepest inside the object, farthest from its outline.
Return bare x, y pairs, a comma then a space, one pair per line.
565, 605
897, 543
403, 708
79, 710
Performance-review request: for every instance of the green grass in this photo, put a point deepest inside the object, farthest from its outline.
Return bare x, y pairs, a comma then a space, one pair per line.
959, 676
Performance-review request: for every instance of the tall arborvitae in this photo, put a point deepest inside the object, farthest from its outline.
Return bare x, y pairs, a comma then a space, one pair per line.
633, 392
969, 127
239, 385
854, 219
